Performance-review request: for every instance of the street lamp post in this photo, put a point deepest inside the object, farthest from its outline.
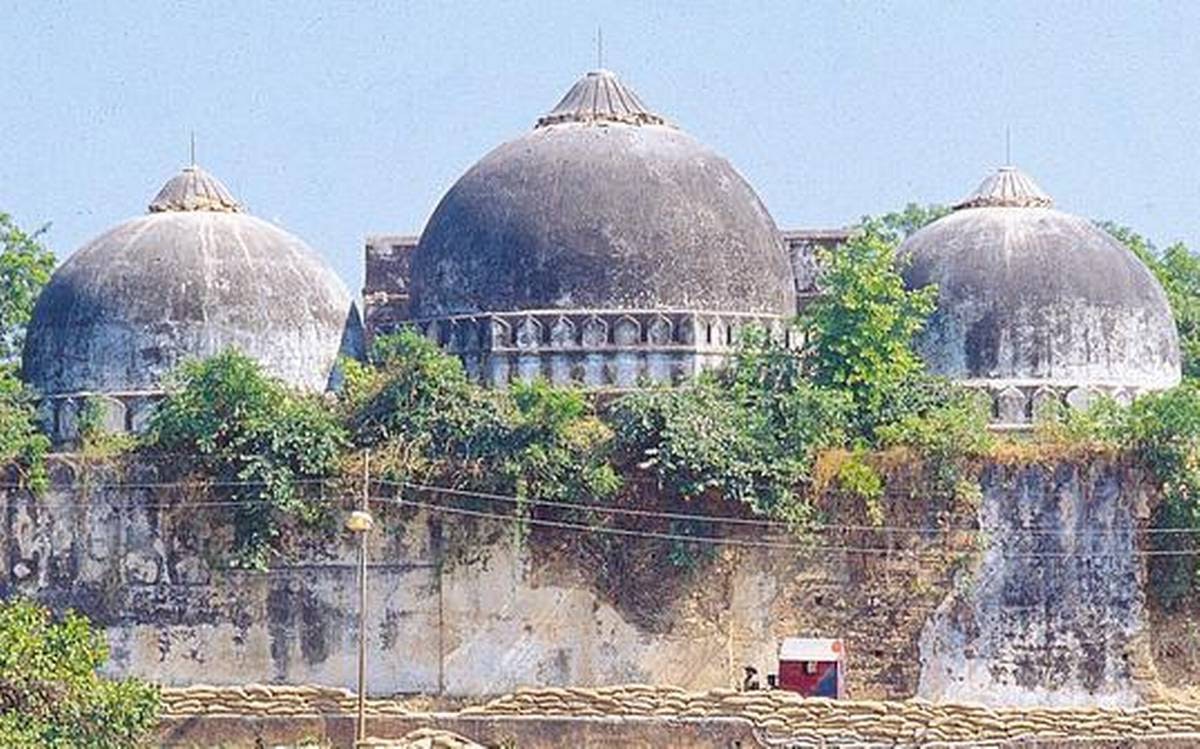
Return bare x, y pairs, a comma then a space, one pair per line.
359, 522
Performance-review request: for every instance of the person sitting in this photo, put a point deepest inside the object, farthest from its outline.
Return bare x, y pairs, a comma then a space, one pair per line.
750, 683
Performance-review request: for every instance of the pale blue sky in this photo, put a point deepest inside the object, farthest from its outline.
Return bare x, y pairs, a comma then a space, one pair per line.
338, 120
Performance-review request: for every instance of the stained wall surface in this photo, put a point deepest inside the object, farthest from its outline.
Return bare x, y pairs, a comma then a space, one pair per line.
149, 568
1054, 611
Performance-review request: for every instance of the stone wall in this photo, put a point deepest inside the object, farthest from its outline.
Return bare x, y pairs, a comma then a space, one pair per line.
386, 286
147, 564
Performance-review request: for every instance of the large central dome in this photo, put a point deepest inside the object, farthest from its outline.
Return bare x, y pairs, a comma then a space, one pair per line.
601, 206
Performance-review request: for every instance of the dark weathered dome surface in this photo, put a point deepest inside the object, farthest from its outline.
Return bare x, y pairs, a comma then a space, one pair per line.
1030, 294
601, 206
193, 277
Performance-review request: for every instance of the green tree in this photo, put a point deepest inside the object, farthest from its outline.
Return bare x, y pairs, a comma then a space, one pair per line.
555, 448
1163, 432
432, 424
859, 332
899, 225
413, 392
25, 267
263, 445
50, 692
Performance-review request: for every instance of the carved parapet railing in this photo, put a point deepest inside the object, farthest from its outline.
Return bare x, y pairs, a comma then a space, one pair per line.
596, 348
118, 412
1017, 404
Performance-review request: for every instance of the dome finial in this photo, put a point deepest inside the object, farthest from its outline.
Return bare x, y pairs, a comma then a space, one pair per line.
194, 189
600, 97
1008, 187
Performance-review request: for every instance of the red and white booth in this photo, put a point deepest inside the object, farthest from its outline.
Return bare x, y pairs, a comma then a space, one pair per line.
813, 666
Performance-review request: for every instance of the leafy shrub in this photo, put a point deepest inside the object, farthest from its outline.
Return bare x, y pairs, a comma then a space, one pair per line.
1163, 431
747, 434
1104, 423
50, 693
414, 392
95, 441
856, 476
22, 442
257, 440
945, 425
533, 441
555, 448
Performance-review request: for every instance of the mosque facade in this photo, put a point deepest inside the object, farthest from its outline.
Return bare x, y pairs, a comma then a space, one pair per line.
604, 247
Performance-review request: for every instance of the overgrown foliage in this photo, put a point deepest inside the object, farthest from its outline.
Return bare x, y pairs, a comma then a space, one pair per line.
23, 445
1163, 430
50, 692
265, 448
897, 226
25, 267
746, 434
433, 426
413, 393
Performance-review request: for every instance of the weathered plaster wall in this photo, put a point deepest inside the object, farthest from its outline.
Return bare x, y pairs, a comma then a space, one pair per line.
146, 566
1054, 607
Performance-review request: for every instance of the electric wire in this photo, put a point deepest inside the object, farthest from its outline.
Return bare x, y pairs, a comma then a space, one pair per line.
588, 507
722, 519
768, 544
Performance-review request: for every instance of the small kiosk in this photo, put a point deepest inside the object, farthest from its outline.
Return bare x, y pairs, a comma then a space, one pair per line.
814, 667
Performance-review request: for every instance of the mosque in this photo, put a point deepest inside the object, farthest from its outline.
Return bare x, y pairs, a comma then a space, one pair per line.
604, 247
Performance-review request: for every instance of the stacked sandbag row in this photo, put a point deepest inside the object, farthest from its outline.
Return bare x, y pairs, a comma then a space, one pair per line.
269, 699
778, 714
785, 715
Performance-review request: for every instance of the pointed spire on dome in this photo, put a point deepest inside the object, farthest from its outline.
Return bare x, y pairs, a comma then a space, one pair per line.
601, 97
1009, 187
194, 189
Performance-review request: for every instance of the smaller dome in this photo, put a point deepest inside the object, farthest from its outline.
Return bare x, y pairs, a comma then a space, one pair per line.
1030, 296
194, 189
600, 96
194, 276
1009, 187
